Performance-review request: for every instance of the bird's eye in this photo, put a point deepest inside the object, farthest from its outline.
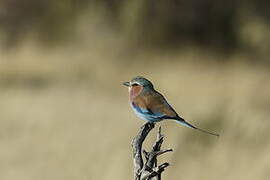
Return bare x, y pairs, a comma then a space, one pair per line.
135, 84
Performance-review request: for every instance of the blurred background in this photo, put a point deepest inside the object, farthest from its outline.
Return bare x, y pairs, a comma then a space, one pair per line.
65, 115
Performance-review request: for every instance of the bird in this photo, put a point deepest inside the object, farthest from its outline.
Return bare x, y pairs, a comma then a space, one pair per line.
150, 105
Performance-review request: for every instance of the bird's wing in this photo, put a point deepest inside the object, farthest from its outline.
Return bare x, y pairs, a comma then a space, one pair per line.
154, 104
158, 104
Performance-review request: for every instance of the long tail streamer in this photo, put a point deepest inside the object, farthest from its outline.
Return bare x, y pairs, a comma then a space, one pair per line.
184, 123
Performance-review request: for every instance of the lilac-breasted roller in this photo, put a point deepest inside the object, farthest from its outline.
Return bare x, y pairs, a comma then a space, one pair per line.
150, 105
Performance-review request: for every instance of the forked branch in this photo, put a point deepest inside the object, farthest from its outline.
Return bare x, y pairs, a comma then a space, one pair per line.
148, 169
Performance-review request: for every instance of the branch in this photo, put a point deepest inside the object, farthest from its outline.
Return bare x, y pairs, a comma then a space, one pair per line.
137, 148
149, 169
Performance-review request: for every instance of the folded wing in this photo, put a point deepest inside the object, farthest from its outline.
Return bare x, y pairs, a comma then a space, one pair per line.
154, 105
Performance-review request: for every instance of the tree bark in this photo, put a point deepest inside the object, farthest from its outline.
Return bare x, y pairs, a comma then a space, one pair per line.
148, 169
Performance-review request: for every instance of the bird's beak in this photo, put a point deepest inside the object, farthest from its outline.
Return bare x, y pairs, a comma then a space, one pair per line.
126, 84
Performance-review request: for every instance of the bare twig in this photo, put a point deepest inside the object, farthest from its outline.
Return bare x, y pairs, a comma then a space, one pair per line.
148, 169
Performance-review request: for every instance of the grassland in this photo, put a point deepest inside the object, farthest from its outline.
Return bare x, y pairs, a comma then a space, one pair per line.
65, 115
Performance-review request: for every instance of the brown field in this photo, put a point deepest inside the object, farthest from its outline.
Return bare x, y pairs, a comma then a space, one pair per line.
65, 115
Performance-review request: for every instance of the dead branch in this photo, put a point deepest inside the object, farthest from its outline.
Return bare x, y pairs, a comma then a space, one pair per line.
148, 169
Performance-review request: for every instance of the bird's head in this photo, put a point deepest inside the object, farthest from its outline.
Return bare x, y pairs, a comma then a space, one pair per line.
139, 81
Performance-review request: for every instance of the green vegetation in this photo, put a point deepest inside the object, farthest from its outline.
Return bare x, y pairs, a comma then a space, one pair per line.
225, 26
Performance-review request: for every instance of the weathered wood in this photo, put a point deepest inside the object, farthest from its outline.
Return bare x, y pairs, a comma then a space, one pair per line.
149, 169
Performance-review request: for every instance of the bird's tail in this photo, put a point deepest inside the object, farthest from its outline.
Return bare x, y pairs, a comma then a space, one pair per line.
185, 123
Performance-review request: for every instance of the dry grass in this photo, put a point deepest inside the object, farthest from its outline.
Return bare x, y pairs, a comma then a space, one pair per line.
64, 114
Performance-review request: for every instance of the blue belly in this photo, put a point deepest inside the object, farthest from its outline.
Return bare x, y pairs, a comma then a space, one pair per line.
146, 114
